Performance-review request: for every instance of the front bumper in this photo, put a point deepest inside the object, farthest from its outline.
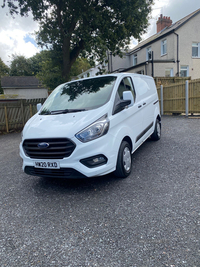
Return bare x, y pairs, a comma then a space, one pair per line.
71, 167
54, 173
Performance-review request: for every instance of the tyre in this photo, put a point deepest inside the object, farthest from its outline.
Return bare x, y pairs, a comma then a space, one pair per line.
124, 161
157, 131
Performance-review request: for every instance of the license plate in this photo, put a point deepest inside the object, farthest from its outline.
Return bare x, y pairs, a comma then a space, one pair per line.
47, 165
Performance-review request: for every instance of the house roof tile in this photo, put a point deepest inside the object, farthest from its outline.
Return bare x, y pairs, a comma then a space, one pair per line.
20, 81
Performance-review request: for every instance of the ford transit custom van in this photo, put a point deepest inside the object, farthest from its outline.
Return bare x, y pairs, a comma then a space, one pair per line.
90, 127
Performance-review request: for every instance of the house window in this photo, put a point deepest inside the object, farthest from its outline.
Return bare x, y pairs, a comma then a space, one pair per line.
163, 47
184, 71
148, 53
134, 59
169, 73
196, 50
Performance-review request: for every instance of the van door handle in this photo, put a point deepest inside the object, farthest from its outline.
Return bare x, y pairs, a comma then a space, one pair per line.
139, 106
144, 103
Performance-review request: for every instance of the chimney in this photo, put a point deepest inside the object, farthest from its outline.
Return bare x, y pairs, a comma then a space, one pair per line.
163, 22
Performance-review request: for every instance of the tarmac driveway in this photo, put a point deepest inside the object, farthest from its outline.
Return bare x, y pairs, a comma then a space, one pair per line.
152, 218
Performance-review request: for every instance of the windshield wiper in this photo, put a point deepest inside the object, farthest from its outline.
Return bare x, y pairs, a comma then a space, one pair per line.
64, 111
76, 110
45, 113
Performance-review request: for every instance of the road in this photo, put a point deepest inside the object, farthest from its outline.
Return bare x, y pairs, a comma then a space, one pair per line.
151, 218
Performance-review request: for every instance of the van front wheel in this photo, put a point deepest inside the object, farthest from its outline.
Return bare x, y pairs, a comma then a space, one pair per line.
124, 161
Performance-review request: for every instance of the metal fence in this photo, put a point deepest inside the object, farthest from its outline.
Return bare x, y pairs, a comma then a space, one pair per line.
15, 113
180, 98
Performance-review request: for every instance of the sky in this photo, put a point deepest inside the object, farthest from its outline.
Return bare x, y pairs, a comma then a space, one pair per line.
17, 35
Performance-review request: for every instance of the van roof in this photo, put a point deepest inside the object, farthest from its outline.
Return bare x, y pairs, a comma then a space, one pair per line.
121, 74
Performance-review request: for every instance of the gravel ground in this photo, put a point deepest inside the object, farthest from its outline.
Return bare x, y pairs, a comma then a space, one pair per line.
151, 218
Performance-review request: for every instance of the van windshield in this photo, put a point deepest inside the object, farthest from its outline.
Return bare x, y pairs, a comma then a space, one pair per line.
79, 96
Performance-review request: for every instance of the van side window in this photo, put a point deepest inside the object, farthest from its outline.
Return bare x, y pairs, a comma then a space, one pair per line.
141, 85
121, 89
126, 85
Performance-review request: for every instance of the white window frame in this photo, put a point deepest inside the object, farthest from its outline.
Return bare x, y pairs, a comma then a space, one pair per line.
195, 44
134, 59
185, 68
163, 47
148, 51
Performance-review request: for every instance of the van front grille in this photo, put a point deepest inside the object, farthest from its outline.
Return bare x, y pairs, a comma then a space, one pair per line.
51, 148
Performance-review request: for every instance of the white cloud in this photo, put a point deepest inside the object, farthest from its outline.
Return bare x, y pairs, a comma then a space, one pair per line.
12, 42
12, 34
14, 31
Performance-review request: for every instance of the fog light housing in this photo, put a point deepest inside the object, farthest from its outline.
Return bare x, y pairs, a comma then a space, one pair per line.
94, 161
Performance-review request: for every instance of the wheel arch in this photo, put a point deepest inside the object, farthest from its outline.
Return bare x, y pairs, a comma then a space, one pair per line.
159, 118
124, 159
128, 139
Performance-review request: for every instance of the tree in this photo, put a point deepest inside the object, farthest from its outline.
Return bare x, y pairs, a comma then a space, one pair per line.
49, 73
4, 71
93, 26
46, 66
80, 65
20, 66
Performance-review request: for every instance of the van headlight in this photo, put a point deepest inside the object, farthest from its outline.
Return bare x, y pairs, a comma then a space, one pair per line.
95, 130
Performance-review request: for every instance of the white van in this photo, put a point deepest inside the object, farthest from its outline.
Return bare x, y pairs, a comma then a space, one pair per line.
90, 127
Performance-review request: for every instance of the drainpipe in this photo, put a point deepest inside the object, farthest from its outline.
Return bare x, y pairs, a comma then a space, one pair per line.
177, 53
146, 67
152, 64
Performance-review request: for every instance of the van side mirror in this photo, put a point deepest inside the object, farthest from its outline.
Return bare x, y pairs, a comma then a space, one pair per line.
127, 101
39, 105
127, 95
